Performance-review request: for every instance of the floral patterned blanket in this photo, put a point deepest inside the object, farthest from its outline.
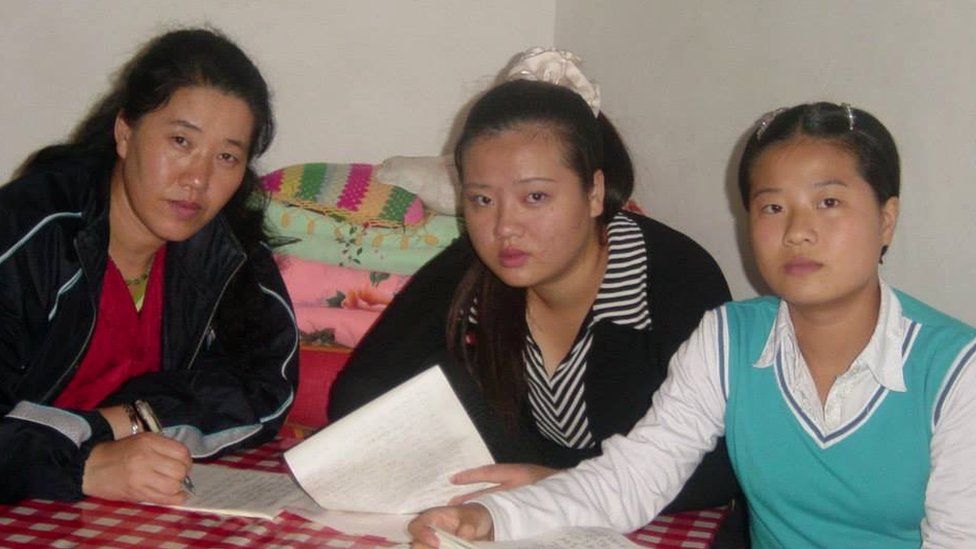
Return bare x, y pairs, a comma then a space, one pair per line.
334, 304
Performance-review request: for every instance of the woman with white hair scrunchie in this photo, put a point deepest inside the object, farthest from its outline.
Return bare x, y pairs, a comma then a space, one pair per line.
555, 316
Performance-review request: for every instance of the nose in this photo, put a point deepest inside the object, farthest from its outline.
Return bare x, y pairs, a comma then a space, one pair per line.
508, 221
800, 228
197, 173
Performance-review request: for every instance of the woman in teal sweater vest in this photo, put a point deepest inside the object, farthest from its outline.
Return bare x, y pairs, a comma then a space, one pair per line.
847, 405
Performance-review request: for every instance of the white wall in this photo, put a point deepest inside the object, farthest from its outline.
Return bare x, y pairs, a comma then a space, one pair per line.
353, 80
685, 81
365, 79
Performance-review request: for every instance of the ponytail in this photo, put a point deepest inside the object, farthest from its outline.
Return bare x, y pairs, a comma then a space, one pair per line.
618, 170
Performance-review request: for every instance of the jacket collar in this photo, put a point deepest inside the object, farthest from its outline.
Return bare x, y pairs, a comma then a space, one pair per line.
209, 257
91, 242
882, 356
622, 298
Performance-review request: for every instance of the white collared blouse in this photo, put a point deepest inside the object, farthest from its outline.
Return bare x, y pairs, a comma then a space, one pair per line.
639, 474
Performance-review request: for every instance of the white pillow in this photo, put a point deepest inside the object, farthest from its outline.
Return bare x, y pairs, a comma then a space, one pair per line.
433, 178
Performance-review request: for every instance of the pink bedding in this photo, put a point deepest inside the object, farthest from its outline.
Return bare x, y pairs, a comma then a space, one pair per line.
336, 304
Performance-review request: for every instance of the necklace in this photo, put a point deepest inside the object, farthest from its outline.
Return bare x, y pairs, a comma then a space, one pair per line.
137, 280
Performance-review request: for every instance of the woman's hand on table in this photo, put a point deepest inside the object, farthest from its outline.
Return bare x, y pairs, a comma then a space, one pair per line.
470, 521
505, 476
145, 467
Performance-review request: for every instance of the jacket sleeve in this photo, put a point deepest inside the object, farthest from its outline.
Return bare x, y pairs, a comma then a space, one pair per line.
227, 398
407, 338
42, 449
685, 283
636, 475
45, 449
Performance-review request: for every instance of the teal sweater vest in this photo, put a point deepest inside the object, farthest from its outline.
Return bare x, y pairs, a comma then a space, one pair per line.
861, 486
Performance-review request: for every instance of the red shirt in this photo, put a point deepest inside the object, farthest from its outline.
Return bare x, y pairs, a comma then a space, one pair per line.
125, 343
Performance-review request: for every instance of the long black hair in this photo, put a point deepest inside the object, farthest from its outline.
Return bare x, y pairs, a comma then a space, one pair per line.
172, 61
589, 143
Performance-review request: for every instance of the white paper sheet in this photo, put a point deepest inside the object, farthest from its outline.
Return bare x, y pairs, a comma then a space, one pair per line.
395, 454
563, 538
391, 527
228, 491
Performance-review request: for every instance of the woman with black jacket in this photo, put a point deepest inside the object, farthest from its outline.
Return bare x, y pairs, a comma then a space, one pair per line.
555, 316
134, 269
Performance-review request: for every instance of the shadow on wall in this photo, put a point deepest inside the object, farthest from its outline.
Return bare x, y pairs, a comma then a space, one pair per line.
741, 215
458, 122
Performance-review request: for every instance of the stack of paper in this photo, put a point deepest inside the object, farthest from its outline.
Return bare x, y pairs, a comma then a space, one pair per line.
228, 491
394, 455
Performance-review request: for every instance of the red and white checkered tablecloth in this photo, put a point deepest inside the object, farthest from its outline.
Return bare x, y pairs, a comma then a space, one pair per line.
99, 523
688, 530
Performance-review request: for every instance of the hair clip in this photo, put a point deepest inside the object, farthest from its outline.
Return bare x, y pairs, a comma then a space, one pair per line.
850, 115
766, 120
558, 67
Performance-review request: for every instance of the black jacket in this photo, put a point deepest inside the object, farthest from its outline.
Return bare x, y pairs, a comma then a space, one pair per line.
624, 367
53, 254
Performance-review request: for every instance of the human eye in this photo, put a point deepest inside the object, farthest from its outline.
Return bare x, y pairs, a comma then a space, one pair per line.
536, 197
229, 158
180, 141
770, 208
479, 200
829, 202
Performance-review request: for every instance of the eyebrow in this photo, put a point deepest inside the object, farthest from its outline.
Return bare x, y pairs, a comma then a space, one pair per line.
760, 192
193, 127
829, 183
819, 185
477, 185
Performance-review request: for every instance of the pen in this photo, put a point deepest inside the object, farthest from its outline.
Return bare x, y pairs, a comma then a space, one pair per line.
152, 423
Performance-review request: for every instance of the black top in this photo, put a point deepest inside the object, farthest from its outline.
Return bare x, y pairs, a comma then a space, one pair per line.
625, 366
557, 402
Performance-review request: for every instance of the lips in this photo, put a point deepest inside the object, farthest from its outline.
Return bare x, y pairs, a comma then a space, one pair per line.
511, 258
800, 266
185, 209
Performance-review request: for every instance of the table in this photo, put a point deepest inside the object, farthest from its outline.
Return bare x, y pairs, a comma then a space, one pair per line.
95, 522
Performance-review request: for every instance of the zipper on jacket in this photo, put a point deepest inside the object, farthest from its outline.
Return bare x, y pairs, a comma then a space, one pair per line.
56, 388
206, 328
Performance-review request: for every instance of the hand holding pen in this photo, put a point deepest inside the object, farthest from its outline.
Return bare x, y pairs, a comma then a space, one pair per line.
151, 422
139, 465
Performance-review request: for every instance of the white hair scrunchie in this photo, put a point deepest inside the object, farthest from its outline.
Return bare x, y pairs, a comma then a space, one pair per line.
558, 67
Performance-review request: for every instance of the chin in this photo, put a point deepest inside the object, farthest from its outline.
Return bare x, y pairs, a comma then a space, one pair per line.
800, 293
819, 297
513, 279
516, 282
177, 234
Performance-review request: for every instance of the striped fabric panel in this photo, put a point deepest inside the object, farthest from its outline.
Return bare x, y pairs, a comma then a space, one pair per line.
272, 181
357, 183
310, 181
622, 298
557, 402
333, 183
372, 201
347, 191
964, 359
291, 179
398, 203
